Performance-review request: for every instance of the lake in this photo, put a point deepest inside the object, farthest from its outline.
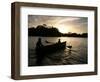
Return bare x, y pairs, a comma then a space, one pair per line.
77, 55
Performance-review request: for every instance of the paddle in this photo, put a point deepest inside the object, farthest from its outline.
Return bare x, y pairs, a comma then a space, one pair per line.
48, 41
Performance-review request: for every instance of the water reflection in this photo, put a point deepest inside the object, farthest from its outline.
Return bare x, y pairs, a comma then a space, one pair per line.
76, 55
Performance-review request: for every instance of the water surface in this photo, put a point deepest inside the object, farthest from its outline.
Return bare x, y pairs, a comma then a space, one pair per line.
77, 55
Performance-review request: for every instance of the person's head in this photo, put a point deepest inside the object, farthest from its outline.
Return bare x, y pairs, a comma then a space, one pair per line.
39, 39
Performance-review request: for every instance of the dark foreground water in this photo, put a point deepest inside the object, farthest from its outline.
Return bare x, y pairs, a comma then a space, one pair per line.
78, 54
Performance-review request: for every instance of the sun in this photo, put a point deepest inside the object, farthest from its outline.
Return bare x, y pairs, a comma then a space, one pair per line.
63, 29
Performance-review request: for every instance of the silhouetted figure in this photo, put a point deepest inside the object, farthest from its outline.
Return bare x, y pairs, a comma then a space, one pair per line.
39, 55
39, 43
59, 41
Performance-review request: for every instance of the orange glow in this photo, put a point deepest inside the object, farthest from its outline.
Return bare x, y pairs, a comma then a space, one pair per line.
63, 29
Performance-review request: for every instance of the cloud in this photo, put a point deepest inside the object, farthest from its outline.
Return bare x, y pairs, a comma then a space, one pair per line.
77, 23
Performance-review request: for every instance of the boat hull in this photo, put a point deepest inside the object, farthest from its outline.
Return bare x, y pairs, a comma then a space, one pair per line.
51, 48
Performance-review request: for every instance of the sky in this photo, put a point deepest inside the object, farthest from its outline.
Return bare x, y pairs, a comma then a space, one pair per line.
64, 24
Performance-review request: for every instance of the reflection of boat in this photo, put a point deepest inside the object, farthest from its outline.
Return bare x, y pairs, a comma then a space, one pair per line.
51, 48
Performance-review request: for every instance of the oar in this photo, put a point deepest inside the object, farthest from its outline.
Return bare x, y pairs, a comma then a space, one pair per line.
48, 41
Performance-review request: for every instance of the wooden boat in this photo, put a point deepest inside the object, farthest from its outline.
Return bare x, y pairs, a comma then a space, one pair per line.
69, 46
51, 48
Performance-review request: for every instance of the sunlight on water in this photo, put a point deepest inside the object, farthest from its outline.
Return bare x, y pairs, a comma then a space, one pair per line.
78, 54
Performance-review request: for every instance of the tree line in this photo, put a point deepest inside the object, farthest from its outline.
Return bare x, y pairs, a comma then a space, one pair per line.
44, 30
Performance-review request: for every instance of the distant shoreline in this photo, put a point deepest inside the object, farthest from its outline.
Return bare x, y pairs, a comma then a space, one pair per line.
43, 31
58, 36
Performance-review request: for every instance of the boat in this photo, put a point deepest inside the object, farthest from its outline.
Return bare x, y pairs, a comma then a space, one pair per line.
47, 49
69, 46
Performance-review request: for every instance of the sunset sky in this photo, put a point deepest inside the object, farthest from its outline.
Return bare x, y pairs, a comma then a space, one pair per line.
64, 24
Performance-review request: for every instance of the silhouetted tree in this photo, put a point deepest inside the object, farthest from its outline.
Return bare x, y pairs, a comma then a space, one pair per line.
44, 30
